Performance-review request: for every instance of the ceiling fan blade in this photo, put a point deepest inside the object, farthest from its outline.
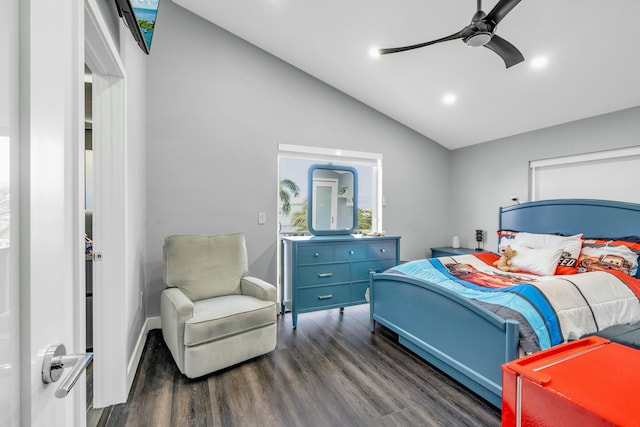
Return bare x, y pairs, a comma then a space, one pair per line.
501, 10
508, 52
455, 36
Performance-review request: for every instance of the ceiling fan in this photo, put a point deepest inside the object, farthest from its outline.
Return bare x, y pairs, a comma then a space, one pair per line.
480, 32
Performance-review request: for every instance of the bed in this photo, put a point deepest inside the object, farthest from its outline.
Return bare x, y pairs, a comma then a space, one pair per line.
469, 340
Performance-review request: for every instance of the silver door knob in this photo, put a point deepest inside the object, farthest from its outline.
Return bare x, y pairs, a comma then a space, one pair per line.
55, 360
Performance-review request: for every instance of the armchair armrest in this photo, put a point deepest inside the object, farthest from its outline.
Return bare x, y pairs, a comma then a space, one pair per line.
258, 288
175, 309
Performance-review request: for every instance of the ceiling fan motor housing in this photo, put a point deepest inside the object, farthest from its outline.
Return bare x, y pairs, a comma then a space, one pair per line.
478, 39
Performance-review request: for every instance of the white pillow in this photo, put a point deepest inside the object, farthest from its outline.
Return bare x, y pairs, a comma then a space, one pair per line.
534, 240
539, 261
570, 245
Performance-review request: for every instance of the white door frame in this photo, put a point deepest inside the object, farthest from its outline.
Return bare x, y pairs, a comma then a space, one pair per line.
108, 134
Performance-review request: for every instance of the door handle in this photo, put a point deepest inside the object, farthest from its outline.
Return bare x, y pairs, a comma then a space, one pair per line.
55, 360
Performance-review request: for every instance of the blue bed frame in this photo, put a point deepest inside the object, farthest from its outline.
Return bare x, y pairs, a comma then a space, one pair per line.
462, 339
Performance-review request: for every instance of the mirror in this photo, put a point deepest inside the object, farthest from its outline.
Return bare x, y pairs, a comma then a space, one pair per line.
333, 195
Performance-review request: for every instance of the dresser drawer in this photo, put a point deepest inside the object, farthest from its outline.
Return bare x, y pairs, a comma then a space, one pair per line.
361, 270
315, 254
381, 250
321, 296
350, 252
312, 275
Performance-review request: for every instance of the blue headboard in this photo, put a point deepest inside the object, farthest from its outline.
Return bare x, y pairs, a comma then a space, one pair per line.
593, 218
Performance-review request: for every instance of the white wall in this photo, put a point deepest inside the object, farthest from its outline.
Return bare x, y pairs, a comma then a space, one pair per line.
485, 176
110, 14
135, 62
217, 109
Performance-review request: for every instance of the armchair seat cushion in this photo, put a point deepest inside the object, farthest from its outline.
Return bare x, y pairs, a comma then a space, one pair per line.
225, 316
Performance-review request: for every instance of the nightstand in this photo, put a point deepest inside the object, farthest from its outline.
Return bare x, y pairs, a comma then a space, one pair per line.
449, 251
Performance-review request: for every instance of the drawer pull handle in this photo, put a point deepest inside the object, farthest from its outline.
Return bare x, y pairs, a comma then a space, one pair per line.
325, 296
383, 250
375, 270
316, 255
351, 252
325, 274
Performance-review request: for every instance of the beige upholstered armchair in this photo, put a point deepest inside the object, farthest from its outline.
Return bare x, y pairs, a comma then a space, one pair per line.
213, 314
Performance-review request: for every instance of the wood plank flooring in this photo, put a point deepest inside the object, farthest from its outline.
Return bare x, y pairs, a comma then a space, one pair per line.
330, 371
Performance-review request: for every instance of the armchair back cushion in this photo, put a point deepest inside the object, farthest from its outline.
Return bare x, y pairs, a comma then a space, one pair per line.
205, 266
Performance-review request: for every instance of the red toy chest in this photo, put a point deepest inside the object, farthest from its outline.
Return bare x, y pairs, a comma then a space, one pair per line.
588, 382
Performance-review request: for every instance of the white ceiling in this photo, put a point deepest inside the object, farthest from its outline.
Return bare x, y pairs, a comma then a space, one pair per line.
592, 50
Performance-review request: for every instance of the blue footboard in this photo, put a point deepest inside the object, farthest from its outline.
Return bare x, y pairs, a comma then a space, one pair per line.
463, 340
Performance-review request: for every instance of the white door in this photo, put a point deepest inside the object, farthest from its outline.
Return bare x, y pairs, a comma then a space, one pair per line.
9, 287
42, 53
325, 204
46, 227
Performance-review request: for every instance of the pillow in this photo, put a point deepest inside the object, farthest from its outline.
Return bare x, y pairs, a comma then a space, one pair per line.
543, 261
601, 254
570, 246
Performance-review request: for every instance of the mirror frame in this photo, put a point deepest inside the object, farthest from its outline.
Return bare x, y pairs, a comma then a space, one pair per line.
330, 167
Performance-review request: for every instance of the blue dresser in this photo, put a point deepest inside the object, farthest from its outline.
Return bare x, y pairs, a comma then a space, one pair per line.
323, 272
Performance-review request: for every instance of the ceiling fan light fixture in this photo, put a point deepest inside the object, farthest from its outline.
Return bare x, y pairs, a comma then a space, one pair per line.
478, 39
449, 99
539, 62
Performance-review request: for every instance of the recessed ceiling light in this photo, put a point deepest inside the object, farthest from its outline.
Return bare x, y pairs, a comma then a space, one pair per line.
539, 62
374, 52
449, 99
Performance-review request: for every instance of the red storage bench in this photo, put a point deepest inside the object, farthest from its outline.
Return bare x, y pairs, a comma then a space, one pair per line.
588, 382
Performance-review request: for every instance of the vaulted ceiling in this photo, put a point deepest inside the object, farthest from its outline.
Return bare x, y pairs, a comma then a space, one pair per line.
581, 59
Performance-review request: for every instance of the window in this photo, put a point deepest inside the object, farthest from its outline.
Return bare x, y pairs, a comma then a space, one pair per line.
294, 162
609, 175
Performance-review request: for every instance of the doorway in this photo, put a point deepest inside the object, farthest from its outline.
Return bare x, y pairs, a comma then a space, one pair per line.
93, 414
108, 226
325, 207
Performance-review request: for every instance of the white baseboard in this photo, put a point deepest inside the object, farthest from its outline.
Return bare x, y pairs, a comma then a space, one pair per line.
132, 367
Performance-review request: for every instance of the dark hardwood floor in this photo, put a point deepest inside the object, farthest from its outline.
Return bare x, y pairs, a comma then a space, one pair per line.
330, 371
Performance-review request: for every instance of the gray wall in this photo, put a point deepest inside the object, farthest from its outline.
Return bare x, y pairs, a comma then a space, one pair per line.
486, 176
217, 107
